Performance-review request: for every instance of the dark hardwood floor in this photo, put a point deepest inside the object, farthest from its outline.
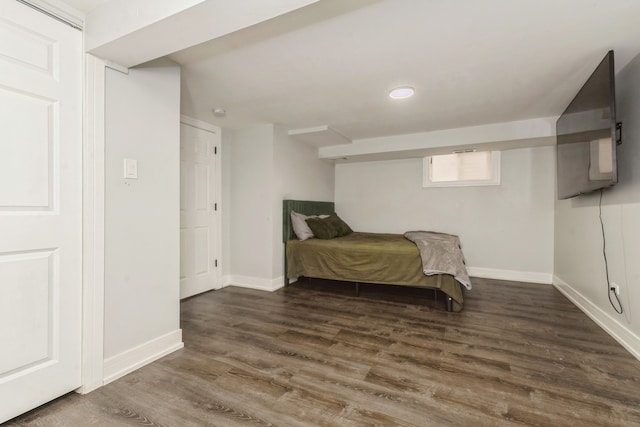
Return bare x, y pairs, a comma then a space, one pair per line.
314, 354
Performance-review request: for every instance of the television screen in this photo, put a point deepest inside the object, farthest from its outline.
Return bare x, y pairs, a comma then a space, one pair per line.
586, 136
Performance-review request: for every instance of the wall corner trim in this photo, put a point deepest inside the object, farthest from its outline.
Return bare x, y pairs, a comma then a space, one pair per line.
128, 361
619, 332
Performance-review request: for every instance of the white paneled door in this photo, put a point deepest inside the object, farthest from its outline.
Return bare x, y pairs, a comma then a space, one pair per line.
40, 208
199, 236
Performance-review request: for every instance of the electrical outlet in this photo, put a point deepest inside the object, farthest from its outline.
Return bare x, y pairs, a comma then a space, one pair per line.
616, 288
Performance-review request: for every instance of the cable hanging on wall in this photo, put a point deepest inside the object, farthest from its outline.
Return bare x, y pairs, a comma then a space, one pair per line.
610, 289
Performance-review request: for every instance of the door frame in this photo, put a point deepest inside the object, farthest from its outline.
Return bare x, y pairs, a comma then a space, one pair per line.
217, 225
93, 205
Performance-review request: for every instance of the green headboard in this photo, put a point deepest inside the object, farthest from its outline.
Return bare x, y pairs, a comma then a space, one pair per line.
304, 207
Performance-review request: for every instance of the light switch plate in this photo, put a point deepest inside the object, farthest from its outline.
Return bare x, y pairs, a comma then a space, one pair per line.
130, 169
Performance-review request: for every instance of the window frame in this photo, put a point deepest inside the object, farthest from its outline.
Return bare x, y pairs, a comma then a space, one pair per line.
495, 180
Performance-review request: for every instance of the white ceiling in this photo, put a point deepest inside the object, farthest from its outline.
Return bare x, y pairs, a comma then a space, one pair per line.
471, 62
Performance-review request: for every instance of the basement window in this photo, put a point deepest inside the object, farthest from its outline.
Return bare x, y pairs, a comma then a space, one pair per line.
462, 169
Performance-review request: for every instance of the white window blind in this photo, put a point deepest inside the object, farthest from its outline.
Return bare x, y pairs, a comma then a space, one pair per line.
462, 169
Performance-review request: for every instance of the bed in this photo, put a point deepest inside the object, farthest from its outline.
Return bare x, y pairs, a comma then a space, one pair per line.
387, 259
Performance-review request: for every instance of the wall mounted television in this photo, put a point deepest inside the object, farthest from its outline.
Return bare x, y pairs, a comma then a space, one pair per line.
586, 136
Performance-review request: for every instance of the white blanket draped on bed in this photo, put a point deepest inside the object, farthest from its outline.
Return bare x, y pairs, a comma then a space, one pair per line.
441, 254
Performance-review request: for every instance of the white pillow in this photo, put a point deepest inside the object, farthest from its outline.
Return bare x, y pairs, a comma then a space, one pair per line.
300, 227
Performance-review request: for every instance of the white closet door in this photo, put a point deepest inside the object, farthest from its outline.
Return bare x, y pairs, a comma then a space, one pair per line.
198, 210
40, 208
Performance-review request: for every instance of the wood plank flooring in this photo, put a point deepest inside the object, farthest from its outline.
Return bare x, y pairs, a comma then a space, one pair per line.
314, 354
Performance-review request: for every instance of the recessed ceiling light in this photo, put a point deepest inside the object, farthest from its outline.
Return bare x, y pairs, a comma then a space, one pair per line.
402, 92
219, 112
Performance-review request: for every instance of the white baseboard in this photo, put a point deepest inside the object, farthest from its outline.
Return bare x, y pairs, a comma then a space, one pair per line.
257, 283
618, 331
128, 361
512, 275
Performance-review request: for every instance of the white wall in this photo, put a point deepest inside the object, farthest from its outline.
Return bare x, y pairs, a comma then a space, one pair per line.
506, 230
251, 189
579, 264
142, 258
299, 175
262, 165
